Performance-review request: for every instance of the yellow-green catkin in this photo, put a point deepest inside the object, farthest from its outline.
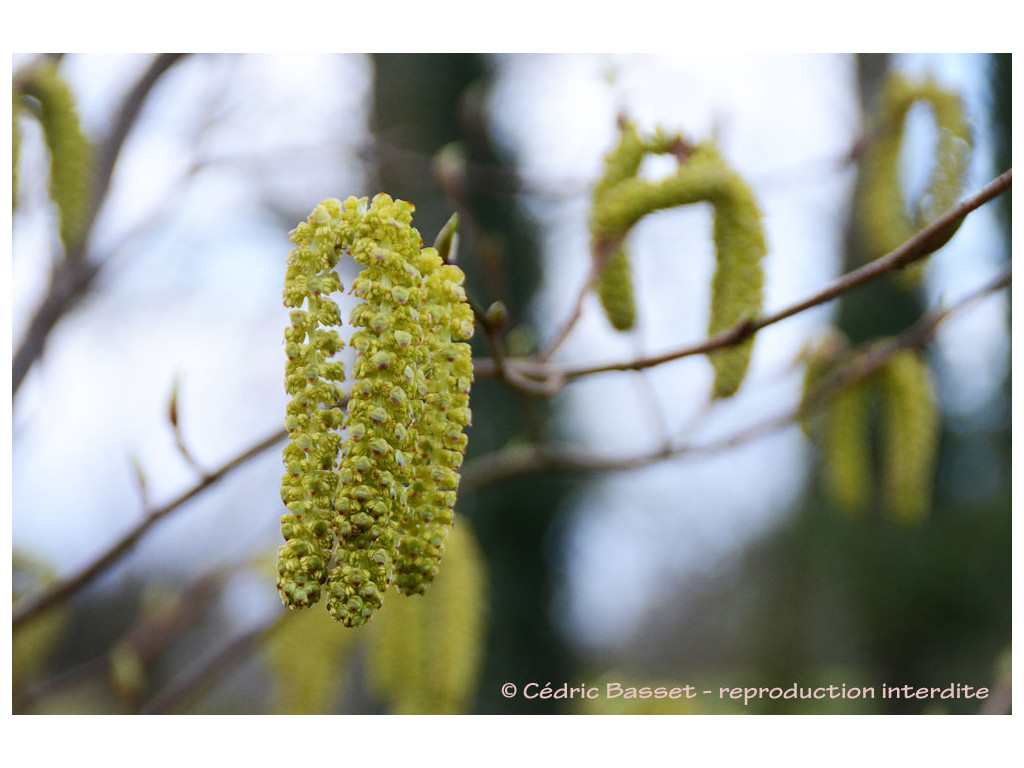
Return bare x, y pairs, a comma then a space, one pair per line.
614, 279
313, 380
737, 287
885, 219
385, 494
910, 437
305, 659
441, 442
846, 450
378, 458
841, 428
615, 289
425, 654
738, 283
70, 151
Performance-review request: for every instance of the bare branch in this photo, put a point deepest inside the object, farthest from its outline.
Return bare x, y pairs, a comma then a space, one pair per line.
211, 669
528, 459
76, 273
549, 378
60, 591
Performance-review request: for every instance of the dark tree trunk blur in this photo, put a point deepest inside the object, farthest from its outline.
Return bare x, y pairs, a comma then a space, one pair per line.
423, 103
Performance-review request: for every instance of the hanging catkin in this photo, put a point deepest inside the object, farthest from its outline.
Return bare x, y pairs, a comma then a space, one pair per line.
393, 478
70, 151
910, 437
621, 199
886, 221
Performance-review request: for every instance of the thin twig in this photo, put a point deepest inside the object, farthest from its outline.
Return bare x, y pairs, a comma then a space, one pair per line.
211, 670
520, 460
918, 247
74, 275
28, 608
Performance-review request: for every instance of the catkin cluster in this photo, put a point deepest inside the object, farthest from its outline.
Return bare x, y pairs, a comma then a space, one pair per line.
621, 199
894, 409
886, 221
379, 501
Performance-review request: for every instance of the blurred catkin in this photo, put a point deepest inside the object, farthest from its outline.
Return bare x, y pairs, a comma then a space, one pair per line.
615, 289
425, 652
841, 427
886, 222
910, 437
305, 657
621, 199
70, 151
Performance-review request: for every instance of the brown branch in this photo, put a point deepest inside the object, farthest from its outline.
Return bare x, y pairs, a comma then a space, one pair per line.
60, 591
530, 459
549, 378
72, 278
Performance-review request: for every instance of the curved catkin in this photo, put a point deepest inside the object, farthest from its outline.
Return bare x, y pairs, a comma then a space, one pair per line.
883, 213
615, 289
614, 280
313, 379
909, 438
70, 152
738, 284
425, 654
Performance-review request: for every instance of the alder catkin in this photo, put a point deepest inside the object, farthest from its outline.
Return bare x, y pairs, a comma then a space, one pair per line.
885, 219
841, 428
313, 379
615, 289
381, 500
738, 284
910, 432
306, 658
614, 283
377, 456
70, 151
425, 653
448, 372
621, 199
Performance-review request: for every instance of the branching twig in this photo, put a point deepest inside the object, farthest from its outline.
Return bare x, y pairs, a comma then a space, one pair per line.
549, 377
74, 275
28, 608
529, 459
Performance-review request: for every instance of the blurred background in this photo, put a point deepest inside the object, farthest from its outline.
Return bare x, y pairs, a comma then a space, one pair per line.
148, 392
